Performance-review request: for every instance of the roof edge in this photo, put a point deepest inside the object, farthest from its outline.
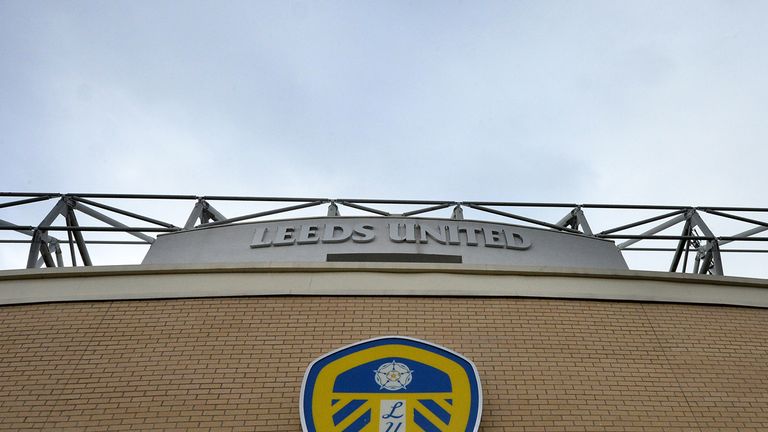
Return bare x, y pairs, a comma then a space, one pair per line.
141, 282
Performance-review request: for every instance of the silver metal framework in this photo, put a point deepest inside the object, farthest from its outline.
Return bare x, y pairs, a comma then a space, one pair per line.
696, 239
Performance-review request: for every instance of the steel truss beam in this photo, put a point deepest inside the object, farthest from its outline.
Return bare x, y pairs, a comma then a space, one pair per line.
42, 244
696, 235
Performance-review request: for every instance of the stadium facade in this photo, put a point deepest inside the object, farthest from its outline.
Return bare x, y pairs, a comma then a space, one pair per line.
219, 325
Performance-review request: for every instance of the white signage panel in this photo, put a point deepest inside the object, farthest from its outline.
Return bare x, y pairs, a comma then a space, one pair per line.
384, 239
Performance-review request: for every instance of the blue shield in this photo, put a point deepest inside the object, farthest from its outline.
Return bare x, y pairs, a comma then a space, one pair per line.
391, 384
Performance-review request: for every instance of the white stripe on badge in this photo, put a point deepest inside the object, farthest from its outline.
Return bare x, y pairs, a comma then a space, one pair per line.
393, 415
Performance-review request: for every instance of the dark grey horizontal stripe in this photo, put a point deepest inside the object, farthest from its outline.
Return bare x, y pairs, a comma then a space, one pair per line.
394, 257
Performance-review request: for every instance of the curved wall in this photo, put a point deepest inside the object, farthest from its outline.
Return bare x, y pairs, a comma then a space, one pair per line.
236, 363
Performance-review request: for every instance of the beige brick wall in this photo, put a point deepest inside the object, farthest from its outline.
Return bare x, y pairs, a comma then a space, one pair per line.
237, 363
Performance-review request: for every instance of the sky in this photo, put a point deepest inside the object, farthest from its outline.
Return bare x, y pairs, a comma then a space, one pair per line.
652, 102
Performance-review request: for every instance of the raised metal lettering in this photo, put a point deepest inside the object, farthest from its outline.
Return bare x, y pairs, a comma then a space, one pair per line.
410, 232
493, 238
515, 240
471, 233
452, 235
436, 232
335, 233
260, 238
394, 232
284, 236
308, 234
363, 233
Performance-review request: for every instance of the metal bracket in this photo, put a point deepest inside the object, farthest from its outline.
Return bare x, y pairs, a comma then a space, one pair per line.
575, 219
333, 210
42, 243
458, 213
708, 258
204, 212
708, 255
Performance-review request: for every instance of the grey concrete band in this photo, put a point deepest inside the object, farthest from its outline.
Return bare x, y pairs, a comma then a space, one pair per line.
333, 279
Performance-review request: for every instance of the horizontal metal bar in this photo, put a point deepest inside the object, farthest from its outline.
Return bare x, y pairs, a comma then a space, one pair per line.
5, 225
364, 208
673, 237
735, 217
406, 202
161, 197
25, 201
101, 242
748, 233
640, 249
261, 214
518, 204
653, 237
133, 196
641, 222
265, 199
86, 228
124, 212
428, 209
107, 220
655, 230
378, 201
30, 194
165, 230
744, 209
634, 207
522, 218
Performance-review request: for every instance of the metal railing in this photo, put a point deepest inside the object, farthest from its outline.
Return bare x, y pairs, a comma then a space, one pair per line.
693, 245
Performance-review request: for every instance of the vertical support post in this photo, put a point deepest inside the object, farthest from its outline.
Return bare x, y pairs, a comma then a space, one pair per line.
34, 249
197, 213
210, 213
71, 247
72, 221
697, 262
685, 258
39, 243
45, 251
333, 210
706, 263
712, 258
458, 213
575, 219
682, 244
581, 221
59, 256
716, 258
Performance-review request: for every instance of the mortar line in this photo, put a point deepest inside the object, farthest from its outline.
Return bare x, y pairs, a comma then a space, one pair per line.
78, 362
669, 366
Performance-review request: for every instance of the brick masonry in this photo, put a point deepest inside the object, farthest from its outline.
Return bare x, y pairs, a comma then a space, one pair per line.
237, 363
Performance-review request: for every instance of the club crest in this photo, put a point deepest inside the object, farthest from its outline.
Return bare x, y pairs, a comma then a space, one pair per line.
391, 384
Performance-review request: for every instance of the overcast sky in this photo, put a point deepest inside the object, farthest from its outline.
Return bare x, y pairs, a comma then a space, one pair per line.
580, 101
